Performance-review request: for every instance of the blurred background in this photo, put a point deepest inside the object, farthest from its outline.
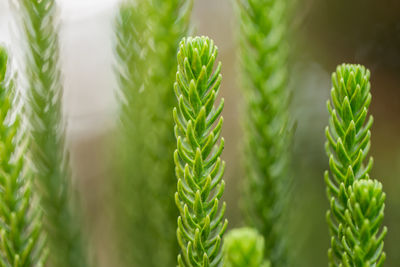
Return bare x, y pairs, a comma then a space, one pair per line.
324, 33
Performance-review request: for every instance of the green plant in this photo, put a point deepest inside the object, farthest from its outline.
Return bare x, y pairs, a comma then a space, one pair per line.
263, 62
197, 159
143, 188
131, 76
22, 242
363, 241
147, 35
356, 202
47, 131
244, 247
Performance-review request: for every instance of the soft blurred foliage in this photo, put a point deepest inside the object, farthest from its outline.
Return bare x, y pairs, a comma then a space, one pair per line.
244, 247
143, 182
324, 34
263, 51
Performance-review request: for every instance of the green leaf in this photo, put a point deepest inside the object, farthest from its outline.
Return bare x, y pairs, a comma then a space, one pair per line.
201, 161
146, 38
22, 237
244, 247
47, 148
264, 71
357, 203
3, 63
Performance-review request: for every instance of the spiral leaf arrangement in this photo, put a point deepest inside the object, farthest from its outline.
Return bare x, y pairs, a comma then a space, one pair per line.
363, 240
264, 52
147, 36
199, 168
21, 237
47, 147
244, 247
356, 202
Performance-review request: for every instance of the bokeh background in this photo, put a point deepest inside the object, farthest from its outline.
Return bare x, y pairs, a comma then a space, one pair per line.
324, 33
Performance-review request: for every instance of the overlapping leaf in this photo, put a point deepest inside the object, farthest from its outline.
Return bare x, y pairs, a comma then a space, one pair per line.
147, 36
22, 243
199, 168
47, 131
264, 72
244, 247
347, 146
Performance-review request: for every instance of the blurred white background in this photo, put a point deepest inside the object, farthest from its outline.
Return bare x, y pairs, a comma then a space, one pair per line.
86, 58
86, 55
86, 36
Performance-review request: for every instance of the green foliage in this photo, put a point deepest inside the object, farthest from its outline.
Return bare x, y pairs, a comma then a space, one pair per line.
363, 240
356, 207
3, 64
197, 159
47, 148
244, 247
263, 61
21, 238
147, 37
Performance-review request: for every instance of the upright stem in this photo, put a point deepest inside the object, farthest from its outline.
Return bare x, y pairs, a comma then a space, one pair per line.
147, 36
22, 242
197, 159
354, 240
48, 151
267, 137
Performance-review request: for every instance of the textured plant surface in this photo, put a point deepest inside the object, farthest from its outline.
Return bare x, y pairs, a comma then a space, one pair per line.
47, 147
263, 61
356, 207
198, 165
21, 238
147, 37
363, 240
244, 247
